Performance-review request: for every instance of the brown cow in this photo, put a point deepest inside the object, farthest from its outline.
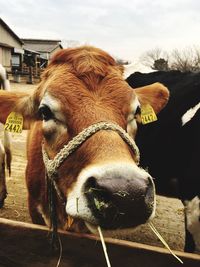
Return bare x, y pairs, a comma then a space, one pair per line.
99, 183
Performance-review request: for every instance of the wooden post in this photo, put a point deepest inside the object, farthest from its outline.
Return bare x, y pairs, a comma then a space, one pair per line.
30, 77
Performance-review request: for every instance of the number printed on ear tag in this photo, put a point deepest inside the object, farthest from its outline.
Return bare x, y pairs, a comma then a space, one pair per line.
14, 123
147, 114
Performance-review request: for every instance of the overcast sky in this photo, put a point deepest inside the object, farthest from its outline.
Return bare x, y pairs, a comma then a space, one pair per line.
123, 28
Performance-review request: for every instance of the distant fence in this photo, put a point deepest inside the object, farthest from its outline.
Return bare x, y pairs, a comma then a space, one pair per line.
25, 76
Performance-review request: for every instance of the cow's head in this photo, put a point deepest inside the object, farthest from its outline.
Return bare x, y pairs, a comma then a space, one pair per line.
101, 181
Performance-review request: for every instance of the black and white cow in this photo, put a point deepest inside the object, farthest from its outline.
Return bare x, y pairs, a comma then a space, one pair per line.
170, 147
5, 144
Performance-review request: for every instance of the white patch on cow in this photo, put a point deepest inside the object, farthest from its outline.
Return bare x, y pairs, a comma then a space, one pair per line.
3, 78
54, 105
132, 124
135, 67
77, 203
45, 218
192, 211
50, 126
4, 150
132, 128
57, 125
2, 155
190, 114
2, 73
6, 85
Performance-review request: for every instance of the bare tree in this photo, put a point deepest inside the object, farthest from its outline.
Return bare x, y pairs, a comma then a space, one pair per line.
186, 60
155, 59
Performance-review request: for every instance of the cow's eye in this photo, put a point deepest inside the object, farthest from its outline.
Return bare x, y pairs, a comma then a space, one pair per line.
138, 111
133, 115
45, 113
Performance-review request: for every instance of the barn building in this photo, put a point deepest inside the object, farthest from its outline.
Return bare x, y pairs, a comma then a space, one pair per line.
46, 48
24, 57
11, 48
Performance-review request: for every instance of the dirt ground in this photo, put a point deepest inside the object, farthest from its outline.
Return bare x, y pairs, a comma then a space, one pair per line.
15, 206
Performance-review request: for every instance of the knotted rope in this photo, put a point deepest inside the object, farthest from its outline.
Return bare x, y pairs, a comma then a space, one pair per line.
52, 165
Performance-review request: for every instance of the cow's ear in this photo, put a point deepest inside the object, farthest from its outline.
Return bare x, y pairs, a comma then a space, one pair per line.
155, 94
21, 102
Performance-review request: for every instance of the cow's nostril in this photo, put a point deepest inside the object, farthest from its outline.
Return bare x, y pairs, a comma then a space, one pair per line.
90, 184
96, 191
99, 199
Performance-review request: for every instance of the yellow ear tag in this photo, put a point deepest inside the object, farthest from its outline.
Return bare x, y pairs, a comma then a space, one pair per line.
14, 123
147, 114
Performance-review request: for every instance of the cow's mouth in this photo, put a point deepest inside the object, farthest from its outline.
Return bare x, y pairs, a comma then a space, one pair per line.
119, 209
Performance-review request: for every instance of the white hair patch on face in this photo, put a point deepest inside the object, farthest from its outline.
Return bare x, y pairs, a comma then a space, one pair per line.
77, 204
132, 124
190, 114
56, 124
54, 105
132, 128
192, 210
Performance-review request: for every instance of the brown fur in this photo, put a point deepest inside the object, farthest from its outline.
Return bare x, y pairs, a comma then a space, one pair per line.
89, 85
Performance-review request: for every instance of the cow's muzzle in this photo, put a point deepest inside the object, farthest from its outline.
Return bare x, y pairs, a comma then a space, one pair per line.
120, 202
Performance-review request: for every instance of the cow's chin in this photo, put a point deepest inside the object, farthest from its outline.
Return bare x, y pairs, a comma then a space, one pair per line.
115, 233
109, 233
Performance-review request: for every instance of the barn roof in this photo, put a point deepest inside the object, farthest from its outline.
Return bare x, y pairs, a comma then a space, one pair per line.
5, 45
10, 31
31, 51
42, 45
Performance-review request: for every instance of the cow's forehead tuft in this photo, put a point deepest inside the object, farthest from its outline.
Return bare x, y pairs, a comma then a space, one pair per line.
82, 53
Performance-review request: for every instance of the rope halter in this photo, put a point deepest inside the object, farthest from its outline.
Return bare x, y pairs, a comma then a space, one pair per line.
52, 166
